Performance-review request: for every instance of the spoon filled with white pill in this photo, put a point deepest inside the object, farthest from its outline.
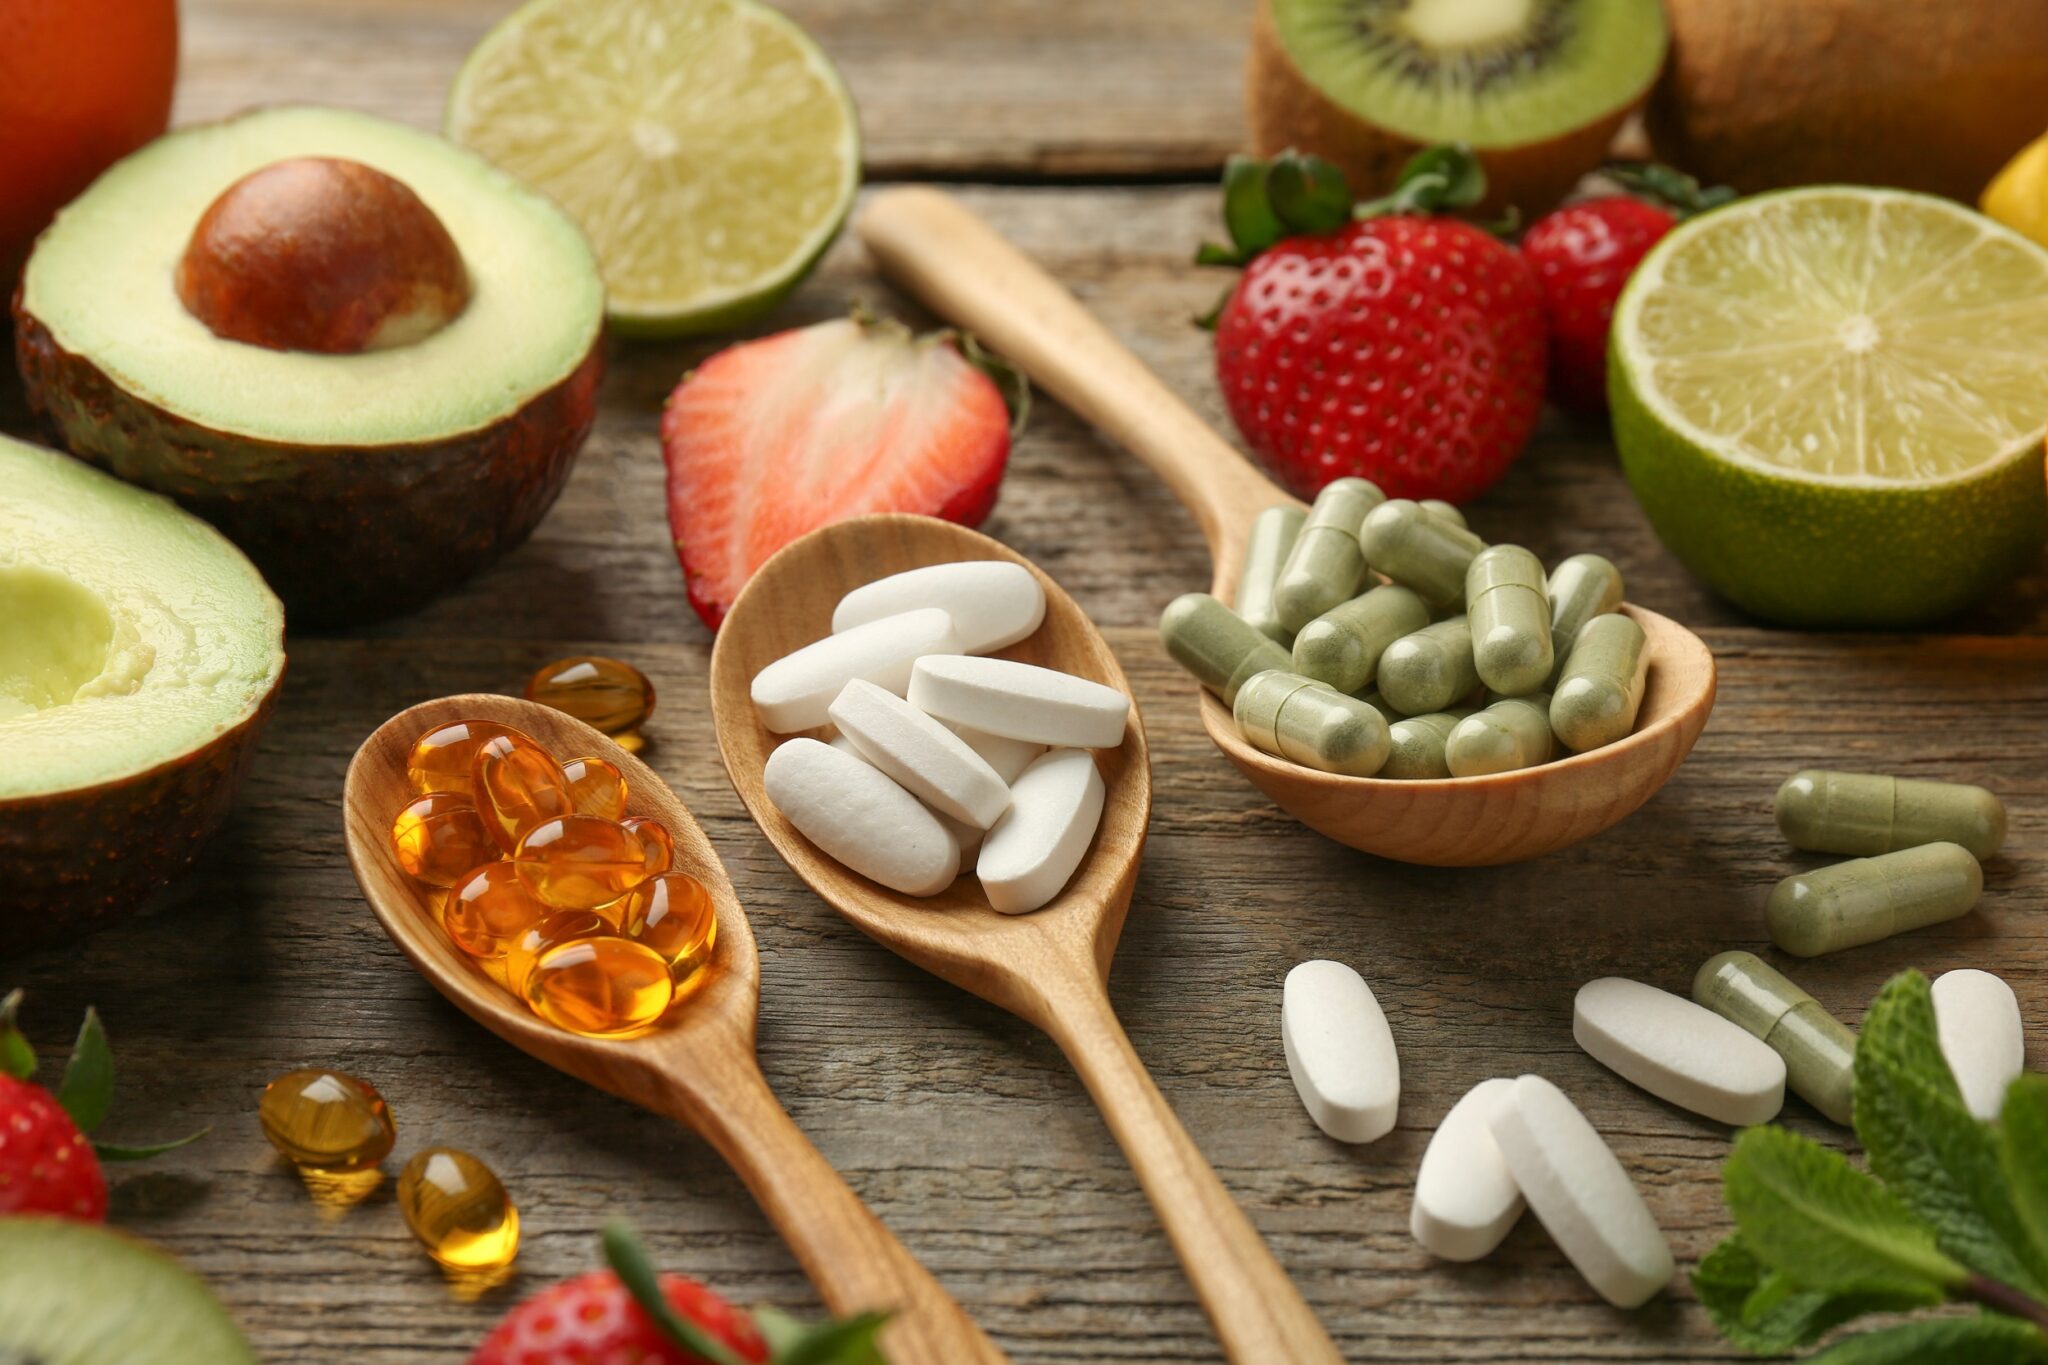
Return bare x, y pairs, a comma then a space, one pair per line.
931, 246
881, 820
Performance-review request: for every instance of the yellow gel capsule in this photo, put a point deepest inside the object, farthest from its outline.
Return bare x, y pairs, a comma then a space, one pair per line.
518, 787
596, 787
673, 915
606, 694
659, 844
444, 758
439, 839
326, 1120
563, 926
488, 910
600, 986
458, 1210
579, 862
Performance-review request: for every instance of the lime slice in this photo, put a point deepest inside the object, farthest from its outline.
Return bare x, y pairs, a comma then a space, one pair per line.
1831, 403
707, 147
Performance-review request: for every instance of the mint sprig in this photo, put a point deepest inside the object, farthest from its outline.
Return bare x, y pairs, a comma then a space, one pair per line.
1953, 1209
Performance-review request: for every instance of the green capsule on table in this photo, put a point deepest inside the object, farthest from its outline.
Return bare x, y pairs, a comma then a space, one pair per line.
1601, 688
1509, 610
1403, 541
1444, 511
1274, 532
1326, 565
1430, 669
1819, 1049
1215, 644
1865, 813
1311, 723
1858, 902
1512, 733
1342, 647
1581, 588
1415, 745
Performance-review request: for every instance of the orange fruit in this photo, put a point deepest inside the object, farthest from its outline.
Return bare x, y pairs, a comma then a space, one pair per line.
82, 84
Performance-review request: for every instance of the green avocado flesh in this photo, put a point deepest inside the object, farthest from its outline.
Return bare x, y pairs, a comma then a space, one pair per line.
130, 632
101, 281
1494, 73
77, 1294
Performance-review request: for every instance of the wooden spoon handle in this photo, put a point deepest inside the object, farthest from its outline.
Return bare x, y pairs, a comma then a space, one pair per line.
1258, 1314
856, 1263
963, 270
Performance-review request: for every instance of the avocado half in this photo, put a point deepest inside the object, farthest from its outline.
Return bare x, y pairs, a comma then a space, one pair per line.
361, 484
140, 654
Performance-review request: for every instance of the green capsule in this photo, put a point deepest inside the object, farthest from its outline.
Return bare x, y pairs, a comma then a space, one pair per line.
1404, 542
1215, 644
1342, 647
1510, 614
1430, 669
1274, 532
1415, 745
1444, 511
1601, 688
1819, 1050
1510, 734
1326, 565
1581, 588
1853, 903
1310, 723
1865, 813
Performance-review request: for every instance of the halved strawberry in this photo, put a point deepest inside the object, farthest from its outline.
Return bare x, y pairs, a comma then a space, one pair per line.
771, 439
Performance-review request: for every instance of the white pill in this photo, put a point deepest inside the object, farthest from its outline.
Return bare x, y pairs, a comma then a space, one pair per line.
1340, 1051
925, 758
1055, 805
1007, 756
796, 691
1977, 1018
1019, 701
854, 813
1586, 1201
966, 837
993, 603
1679, 1051
1466, 1199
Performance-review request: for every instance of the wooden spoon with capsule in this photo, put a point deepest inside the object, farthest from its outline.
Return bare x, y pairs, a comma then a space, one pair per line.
1048, 967
696, 1066
960, 268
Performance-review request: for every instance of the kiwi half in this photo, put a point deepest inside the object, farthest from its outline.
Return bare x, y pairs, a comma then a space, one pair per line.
77, 1294
1537, 87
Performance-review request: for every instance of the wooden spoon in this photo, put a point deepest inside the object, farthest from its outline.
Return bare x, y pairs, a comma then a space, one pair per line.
696, 1066
1048, 967
953, 262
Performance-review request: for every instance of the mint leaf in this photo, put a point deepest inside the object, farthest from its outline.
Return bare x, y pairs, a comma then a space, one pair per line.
1986, 1340
1765, 1312
2023, 1152
1938, 1158
88, 1085
1804, 1210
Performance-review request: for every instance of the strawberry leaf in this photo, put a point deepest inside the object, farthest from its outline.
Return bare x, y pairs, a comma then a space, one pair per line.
629, 1262
849, 1341
88, 1084
1667, 187
1008, 379
17, 1058
1247, 213
1446, 176
1307, 195
118, 1151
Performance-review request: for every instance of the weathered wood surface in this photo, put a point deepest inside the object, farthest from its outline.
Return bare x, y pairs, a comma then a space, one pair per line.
962, 1128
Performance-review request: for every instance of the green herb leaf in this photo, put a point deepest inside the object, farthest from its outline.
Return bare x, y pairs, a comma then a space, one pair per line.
1307, 195
1765, 1312
88, 1085
1804, 1210
629, 1262
1932, 1153
2023, 1153
1986, 1340
1247, 211
17, 1058
850, 1341
124, 1151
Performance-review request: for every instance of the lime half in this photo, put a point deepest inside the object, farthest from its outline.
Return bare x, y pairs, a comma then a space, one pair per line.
1831, 403
707, 147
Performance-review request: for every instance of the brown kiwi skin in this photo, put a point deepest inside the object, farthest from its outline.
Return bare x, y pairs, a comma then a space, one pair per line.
1284, 109
1760, 94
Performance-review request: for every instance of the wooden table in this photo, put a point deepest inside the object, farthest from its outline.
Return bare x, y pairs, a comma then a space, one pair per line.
1090, 132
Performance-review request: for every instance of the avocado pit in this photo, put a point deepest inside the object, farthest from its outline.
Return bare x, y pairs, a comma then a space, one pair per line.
325, 254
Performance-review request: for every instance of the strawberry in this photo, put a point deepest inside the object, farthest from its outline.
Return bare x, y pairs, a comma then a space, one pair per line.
46, 1163
1381, 341
629, 1315
771, 439
1585, 252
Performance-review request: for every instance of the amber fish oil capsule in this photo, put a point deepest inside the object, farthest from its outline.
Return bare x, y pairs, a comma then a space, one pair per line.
1509, 612
1601, 688
562, 926
596, 787
518, 786
1819, 1050
673, 914
1581, 588
1860, 814
1430, 669
444, 758
487, 911
606, 694
458, 1210
1342, 647
326, 1121
579, 862
1272, 539
1415, 745
438, 838
1217, 645
1420, 551
656, 840
1326, 565
1854, 903
1307, 722
1512, 733
600, 986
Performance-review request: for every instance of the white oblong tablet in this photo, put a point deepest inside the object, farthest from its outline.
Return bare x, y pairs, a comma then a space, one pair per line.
1055, 805
1466, 1198
925, 758
1583, 1197
993, 603
1679, 1051
1340, 1051
1007, 756
1019, 701
966, 837
796, 691
855, 814
1977, 1018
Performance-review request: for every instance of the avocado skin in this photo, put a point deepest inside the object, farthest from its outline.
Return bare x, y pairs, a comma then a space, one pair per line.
80, 860
342, 534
